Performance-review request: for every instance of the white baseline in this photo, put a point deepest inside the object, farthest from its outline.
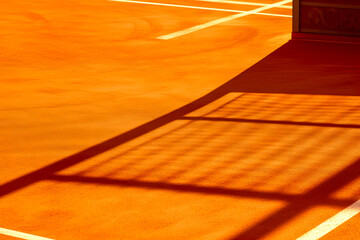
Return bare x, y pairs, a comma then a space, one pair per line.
332, 223
21, 235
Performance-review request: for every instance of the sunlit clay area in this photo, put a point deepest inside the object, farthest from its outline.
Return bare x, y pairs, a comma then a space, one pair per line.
180, 119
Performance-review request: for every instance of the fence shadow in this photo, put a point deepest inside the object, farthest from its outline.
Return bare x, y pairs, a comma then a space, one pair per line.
301, 92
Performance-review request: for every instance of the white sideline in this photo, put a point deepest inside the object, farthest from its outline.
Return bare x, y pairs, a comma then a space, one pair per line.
222, 20
332, 223
21, 235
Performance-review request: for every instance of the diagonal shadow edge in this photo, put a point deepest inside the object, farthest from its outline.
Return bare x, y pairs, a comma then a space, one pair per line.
40, 174
109, 144
244, 82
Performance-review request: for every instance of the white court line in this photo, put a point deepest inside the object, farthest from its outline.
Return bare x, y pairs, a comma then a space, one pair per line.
242, 3
21, 235
332, 223
195, 7
222, 20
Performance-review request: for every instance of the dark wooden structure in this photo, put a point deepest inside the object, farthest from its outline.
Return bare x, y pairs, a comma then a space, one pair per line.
326, 18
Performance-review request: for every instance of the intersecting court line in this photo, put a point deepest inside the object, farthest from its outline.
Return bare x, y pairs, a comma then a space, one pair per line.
222, 20
243, 3
332, 223
21, 235
215, 22
196, 7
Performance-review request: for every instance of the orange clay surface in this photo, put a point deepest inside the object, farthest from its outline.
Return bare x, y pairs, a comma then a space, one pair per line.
107, 132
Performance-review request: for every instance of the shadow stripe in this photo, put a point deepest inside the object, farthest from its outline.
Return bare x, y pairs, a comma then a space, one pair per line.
192, 188
331, 125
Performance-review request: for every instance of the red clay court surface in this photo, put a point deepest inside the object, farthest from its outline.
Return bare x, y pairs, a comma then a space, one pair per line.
109, 130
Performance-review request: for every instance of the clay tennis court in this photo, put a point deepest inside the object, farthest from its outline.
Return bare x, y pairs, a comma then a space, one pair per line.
170, 119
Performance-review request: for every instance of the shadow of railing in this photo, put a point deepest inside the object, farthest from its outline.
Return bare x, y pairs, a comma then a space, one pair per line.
289, 110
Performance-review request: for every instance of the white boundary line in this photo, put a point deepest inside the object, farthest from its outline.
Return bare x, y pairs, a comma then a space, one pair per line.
21, 235
196, 7
221, 20
177, 5
332, 223
242, 3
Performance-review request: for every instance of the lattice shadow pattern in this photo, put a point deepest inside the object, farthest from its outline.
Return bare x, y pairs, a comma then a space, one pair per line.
261, 145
